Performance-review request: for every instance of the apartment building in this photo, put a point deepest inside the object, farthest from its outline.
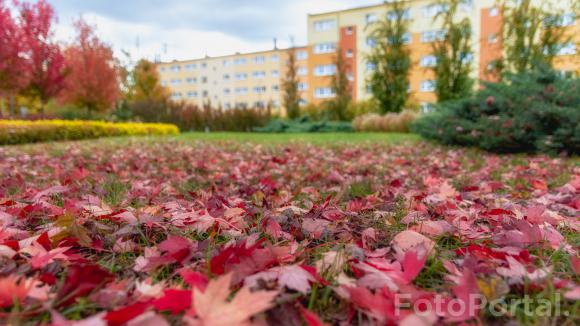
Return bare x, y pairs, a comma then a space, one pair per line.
238, 80
350, 31
255, 79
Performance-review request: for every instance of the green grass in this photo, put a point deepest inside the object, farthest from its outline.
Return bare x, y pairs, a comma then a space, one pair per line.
298, 137
324, 139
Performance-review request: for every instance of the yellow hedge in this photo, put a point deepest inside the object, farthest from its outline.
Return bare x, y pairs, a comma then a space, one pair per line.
21, 131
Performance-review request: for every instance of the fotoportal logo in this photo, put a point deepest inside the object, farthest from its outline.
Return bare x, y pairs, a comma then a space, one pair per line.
444, 306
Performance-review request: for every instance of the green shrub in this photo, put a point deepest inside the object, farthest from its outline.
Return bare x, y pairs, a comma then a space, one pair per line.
304, 124
194, 118
21, 131
357, 109
536, 111
390, 122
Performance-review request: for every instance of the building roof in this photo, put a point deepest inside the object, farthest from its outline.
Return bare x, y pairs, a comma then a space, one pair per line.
228, 55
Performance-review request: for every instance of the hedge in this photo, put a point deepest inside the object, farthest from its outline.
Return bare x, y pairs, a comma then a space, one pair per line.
24, 131
304, 124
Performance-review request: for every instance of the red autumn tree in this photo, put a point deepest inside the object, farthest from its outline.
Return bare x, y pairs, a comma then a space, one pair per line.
93, 82
13, 67
45, 60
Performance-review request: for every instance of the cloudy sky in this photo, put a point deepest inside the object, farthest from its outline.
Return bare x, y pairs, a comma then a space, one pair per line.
182, 29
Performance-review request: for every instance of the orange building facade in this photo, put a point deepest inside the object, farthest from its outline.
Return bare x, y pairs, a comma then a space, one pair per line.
255, 79
350, 30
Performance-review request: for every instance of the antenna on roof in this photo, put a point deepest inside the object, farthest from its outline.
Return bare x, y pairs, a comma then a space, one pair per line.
275, 43
291, 41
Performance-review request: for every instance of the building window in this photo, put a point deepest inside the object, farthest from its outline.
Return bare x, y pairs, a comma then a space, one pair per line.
275, 73
276, 104
240, 61
349, 53
563, 20
227, 91
466, 57
392, 15
428, 61
324, 92
302, 86
275, 58
175, 82
259, 59
427, 86
226, 77
204, 80
371, 66
227, 63
434, 9
190, 80
324, 48
176, 95
349, 30
426, 107
566, 49
191, 94
431, 36
372, 18
260, 89
241, 90
163, 83
406, 39
302, 71
190, 66
259, 74
175, 68
493, 12
466, 5
324, 25
492, 39
302, 102
275, 88
301, 55
241, 76
204, 65
324, 70
350, 76
161, 69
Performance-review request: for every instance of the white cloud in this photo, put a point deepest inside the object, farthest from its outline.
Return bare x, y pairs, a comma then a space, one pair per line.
204, 35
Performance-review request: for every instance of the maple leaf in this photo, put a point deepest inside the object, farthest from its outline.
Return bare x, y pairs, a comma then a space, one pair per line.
465, 289
13, 289
517, 272
412, 241
174, 301
41, 257
82, 280
212, 308
194, 279
311, 318
293, 277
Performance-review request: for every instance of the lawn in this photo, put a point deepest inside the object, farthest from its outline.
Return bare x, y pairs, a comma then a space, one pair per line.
316, 138
233, 228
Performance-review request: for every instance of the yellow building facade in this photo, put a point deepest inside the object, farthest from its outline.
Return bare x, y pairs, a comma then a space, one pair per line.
255, 79
238, 80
